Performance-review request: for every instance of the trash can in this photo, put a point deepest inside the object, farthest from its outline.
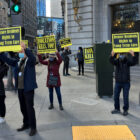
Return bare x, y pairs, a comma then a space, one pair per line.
103, 70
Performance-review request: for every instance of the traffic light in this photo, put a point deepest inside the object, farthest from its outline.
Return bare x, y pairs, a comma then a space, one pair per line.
16, 7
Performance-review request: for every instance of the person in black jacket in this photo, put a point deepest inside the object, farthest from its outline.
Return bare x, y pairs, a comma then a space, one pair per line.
80, 59
65, 57
3, 71
122, 77
26, 84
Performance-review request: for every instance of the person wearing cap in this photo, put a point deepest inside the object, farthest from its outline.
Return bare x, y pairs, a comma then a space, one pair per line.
53, 77
26, 83
122, 77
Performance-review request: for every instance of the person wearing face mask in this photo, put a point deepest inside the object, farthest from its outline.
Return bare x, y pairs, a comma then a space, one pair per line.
26, 83
53, 78
122, 77
80, 59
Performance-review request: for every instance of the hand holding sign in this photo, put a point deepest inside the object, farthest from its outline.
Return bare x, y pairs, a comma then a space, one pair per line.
132, 53
112, 53
23, 46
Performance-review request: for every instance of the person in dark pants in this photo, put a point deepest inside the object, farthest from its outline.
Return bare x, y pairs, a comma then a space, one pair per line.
122, 77
26, 83
65, 57
3, 71
80, 59
53, 78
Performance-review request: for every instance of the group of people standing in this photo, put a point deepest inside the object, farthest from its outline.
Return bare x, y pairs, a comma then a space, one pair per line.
26, 81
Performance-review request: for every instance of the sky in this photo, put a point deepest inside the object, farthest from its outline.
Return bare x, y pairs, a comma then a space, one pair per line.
48, 8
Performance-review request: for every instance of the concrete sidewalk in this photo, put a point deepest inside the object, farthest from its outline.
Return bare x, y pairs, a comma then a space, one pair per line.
81, 104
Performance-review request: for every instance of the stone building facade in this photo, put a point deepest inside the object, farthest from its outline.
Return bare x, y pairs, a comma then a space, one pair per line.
97, 20
3, 13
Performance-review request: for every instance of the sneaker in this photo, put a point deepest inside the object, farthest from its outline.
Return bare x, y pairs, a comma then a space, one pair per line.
125, 113
32, 132
68, 74
2, 120
23, 127
115, 111
61, 107
51, 107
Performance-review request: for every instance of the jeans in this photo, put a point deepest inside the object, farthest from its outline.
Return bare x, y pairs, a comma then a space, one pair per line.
58, 92
126, 88
81, 65
26, 101
2, 106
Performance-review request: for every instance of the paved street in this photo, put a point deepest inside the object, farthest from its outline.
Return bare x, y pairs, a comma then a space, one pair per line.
81, 104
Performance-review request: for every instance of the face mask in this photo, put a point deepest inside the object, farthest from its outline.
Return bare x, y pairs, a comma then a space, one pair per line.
21, 55
51, 59
122, 57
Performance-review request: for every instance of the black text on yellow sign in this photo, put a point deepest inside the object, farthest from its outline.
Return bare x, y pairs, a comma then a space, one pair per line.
10, 39
125, 42
65, 42
88, 55
46, 44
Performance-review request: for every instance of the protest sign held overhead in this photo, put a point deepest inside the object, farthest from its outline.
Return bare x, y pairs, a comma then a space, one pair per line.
46, 44
65, 42
125, 42
10, 39
88, 55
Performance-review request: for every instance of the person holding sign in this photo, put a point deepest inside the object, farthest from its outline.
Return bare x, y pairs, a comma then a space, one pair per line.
122, 77
53, 78
80, 59
26, 82
66, 60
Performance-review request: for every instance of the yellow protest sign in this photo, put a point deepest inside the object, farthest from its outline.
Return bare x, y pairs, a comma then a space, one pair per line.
88, 55
65, 42
46, 44
25, 42
10, 39
124, 42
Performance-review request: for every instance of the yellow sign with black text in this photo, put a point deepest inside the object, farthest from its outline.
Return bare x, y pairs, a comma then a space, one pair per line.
65, 42
88, 55
10, 39
46, 44
124, 42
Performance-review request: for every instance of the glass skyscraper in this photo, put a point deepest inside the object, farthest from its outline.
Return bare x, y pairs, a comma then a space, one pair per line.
41, 8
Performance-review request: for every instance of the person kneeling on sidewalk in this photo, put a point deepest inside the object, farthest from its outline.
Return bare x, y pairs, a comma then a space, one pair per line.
122, 78
26, 82
53, 78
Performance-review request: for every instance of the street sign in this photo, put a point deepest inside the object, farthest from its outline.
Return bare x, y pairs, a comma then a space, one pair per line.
40, 32
124, 42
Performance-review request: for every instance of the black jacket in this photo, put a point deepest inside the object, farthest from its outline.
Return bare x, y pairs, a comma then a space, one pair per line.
65, 56
122, 68
80, 56
29, 71
3, 71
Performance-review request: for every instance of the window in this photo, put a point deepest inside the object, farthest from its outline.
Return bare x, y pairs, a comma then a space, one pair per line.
126, 17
